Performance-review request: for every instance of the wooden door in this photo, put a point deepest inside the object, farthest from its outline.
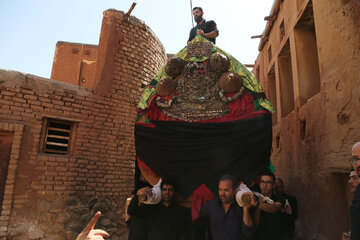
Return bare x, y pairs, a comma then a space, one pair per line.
6, 139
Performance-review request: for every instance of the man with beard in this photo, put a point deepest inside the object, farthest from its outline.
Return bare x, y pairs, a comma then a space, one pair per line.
227, 219
205, 28
165, 220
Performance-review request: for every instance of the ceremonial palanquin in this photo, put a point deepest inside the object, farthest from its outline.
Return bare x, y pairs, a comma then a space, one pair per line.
203, 115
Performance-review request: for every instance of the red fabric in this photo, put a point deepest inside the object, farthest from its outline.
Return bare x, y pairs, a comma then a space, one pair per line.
199, 197
144, 166
146, 124
242, 108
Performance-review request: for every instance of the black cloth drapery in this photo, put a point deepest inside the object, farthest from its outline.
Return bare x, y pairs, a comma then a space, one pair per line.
195, 153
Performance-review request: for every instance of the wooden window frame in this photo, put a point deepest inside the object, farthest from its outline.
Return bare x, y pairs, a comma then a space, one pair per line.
45, 134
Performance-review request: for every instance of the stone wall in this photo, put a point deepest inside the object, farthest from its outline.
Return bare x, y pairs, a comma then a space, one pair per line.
312, 142
51, 196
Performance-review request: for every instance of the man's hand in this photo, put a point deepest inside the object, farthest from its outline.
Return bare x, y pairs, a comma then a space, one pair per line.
345, 236
89, 233
200, 32
253, 202
144, 194
261, 199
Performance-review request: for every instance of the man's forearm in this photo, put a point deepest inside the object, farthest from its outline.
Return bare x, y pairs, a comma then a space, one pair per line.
212, 34
133, 207
247, 226
257, 216
247, 219
270, 208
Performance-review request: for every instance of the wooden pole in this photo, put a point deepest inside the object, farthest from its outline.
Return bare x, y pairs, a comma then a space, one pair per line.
131, 8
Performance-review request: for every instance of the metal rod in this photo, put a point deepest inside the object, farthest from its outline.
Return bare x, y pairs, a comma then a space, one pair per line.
192, 19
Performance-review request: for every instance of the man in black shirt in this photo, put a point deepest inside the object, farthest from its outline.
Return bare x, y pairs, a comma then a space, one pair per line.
205, 28
268, 216
165, 220
290, 214
228, 221
355, 204
137, 224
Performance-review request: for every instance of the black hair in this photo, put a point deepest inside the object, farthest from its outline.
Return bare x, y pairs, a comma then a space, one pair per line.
198, 8
280, 180
229, 178
167, 182
268, 172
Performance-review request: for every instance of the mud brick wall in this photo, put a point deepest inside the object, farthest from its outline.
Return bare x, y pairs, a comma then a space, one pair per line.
54, 196
312, 142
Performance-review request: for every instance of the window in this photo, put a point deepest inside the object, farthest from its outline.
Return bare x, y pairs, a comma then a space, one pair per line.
57, 136
6, 139
286, 81
307, 55
269, 54
282, 30
272, 93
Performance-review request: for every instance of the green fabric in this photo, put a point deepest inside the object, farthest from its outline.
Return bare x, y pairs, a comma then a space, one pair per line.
249, 80
143, 103
271, 167
265, 103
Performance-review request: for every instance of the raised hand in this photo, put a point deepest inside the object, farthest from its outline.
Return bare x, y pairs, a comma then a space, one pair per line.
89, 233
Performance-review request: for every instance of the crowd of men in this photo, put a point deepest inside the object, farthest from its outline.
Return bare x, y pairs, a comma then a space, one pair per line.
221, 218
269, 215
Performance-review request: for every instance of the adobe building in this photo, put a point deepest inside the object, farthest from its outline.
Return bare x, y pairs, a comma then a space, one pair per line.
309, 65
67, 143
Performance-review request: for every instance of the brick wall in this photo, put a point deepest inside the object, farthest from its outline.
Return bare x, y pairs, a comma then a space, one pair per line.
54, 195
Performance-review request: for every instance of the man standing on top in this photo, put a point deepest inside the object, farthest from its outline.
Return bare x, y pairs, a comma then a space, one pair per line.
205, 28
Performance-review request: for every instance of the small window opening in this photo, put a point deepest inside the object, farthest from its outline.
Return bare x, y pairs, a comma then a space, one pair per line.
57, 137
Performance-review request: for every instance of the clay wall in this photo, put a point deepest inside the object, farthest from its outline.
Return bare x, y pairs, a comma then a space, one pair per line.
53, 196
312, 138
75, 63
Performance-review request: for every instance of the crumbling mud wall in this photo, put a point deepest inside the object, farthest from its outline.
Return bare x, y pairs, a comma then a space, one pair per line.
309, 65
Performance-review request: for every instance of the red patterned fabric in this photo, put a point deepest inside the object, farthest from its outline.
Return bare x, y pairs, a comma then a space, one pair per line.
242, 108
200, 196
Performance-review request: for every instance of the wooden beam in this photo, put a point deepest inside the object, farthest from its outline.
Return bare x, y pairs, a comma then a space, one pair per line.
249, 65
256, 36
131, 8
270, 18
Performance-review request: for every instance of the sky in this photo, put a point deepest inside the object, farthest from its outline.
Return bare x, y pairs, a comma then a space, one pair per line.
30, 29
